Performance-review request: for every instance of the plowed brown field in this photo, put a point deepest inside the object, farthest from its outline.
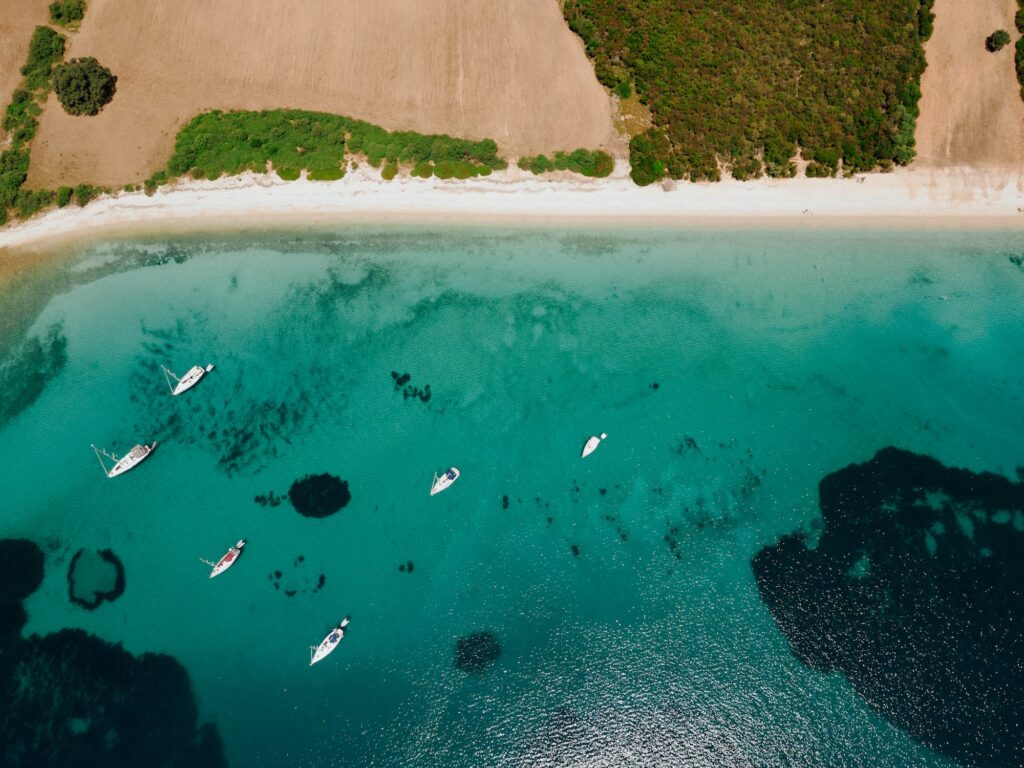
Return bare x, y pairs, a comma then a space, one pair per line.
510, 70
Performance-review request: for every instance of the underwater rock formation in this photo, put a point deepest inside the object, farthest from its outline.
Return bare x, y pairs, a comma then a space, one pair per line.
915, 593
95, 577
476, 652
72, 700
26, 370
21, 573
319, 495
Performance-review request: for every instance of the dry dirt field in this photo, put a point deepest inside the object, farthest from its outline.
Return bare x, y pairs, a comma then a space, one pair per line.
17, 20
506, 69
971, 109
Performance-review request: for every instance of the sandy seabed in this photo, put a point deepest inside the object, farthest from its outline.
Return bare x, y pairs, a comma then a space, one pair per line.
906, 197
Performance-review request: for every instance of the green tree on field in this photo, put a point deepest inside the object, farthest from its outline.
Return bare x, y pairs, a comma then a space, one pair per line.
67, 12
83, 86
997, 40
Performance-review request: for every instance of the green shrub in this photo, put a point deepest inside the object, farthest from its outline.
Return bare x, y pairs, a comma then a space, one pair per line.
218, 142
1018, 61
623, 90
67, 12
423, 170
44, 50
64, 196
149, 185
1018, 20
85, 192
327, 174
84, 86
29, 203
288, 174
389, 172
997, 40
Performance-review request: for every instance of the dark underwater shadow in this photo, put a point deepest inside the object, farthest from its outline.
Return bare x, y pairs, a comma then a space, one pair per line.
914, 593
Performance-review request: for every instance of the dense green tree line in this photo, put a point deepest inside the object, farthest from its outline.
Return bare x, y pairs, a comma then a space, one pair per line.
745, 83
217, 143
595, 163
1019, 52
45, 49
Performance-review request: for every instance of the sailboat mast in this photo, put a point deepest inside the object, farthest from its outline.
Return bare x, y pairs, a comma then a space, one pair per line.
168, 376
100, 460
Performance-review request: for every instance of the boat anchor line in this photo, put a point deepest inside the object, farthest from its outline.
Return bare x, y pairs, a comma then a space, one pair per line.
133, 458
186, 382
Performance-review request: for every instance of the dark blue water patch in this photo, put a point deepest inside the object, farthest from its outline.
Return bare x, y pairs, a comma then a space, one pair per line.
21, 573
94, 578
72, 700
915, 593
476, 652
319, 495
27, 369
402, 382
1017, 259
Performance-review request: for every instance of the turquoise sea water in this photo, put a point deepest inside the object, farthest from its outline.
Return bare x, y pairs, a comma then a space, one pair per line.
732, 371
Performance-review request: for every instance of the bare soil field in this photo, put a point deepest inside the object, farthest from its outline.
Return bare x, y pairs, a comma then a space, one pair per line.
510, 70
971, 109
17, 20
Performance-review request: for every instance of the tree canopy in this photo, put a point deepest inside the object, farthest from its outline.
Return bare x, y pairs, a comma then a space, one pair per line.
83, 86
744, 83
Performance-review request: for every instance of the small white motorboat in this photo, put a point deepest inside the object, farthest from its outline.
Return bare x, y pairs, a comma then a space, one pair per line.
591, 445
189, 380
445, 480
227, 561
328, 644
135, 456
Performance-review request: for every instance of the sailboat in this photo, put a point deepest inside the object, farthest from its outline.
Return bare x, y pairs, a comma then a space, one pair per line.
121, 465
591, 445
227, 561
328, 644
186, 382
445, 480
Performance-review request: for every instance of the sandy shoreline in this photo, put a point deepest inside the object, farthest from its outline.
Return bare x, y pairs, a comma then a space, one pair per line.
928, 197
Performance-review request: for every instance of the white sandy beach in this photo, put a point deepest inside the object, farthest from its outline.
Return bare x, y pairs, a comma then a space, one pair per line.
961, 196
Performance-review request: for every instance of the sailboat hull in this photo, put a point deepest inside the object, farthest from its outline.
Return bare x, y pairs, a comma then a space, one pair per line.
190, 379
132, 459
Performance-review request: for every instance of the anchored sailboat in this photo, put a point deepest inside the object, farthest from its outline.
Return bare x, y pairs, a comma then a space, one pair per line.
328, 644
445, 480
186, 382
121, 465
591, 444
227, 561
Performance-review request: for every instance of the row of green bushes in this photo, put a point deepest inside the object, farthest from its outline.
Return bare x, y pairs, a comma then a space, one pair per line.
594, 163
1019, 52
20, 122
217, 143
744, 84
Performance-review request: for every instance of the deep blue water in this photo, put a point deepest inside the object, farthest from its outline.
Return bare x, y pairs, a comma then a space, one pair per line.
732, 371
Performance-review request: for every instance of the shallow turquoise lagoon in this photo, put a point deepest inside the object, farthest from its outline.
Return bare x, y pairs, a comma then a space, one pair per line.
732, 371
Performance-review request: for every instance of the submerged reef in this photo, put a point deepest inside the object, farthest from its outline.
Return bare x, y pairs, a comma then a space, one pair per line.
25, 372
95, 577
319, 495
915, 593
476, 652
408, 390
73, 700
21, 573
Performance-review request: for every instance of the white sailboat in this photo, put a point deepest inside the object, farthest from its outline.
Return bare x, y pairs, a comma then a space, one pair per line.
227, 561
121, 465
186, 382
328, 644
591, 445
445, 480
